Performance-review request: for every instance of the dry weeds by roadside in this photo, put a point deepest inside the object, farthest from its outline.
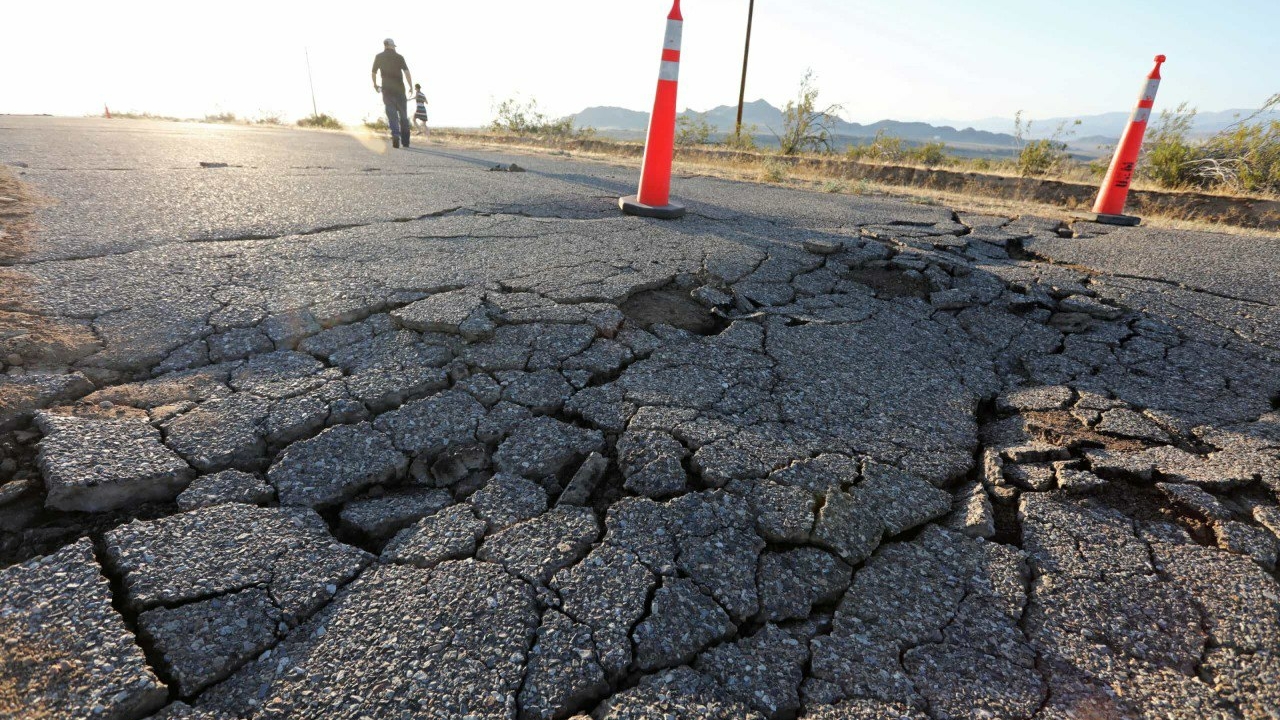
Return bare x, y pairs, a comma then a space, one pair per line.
26, 337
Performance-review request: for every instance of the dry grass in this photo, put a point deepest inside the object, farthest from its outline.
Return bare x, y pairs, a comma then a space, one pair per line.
17, 203
40, 341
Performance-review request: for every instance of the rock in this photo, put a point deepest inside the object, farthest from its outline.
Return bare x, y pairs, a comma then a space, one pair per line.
682, 623
22, 394
428, 427
819, 246
1089, 306
1039, 399
228, 548
973, 515
544, 392
1196, 500
100, 465
1071, 322
564, 672
281, 375
783, 514
453, 465
1036, 477
205, 641
678, 693
763, 671
67, 653
651, 462
398, 642
954, 299
1077, 482
221, 433
584, 481
1074, 537
228, 486
1244, 539
508, 499
450, 534
544, 446
792, 582
335, 465
538, 548
444, 312
609, 590
1129, 424
379, 518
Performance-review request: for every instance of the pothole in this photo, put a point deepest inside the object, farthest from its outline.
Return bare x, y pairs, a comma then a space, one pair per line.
675, 308
890, 283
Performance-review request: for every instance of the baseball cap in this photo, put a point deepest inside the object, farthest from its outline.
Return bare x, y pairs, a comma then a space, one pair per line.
389, 42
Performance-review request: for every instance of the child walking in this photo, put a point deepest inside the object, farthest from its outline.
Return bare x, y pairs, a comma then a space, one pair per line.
420, 114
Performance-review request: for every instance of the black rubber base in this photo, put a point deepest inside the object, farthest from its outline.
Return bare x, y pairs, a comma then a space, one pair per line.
1124, 220
631, 205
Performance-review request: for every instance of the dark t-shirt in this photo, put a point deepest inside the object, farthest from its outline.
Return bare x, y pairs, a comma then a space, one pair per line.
392, 66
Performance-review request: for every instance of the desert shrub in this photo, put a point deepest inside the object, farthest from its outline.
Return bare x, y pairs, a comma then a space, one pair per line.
804, 126
693, 129
774, 170
1043, 156
744, 141
1244, 157
327, 122
1167, 152
885, 148
931, 154
524, 118
266, 118
224, 117
377, 124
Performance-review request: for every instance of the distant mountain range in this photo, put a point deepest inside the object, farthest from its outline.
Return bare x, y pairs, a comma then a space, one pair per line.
768, 120
1092, 136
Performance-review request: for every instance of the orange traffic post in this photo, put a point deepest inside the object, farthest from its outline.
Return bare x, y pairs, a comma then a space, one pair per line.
106, 111
654, 198
1115, 188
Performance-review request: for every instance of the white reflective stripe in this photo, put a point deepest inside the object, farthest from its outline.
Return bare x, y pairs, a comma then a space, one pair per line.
669, 71
675, 30
1149, 90
1142, 115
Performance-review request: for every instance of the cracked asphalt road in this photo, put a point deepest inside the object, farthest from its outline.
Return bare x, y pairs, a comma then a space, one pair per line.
334, 432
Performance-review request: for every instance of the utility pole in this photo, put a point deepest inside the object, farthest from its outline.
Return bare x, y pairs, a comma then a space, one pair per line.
746, 55
312, 83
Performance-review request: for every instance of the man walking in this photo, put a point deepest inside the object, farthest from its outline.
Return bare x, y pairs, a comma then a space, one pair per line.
395, 78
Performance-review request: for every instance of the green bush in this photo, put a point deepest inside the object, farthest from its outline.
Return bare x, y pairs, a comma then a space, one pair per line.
744, 141
1167, 154
930, 154
517, 118
774, 170
693, 129
326, 122
885, 148
1043, 156
1242, 158
804, 126
377, 125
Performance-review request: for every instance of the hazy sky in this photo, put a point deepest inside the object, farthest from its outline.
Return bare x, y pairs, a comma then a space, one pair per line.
900, 59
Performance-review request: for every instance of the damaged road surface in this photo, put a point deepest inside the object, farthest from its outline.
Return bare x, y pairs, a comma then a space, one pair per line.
346, 433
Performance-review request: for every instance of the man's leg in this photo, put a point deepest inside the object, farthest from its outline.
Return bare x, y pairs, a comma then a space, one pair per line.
405, 124
393, 117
